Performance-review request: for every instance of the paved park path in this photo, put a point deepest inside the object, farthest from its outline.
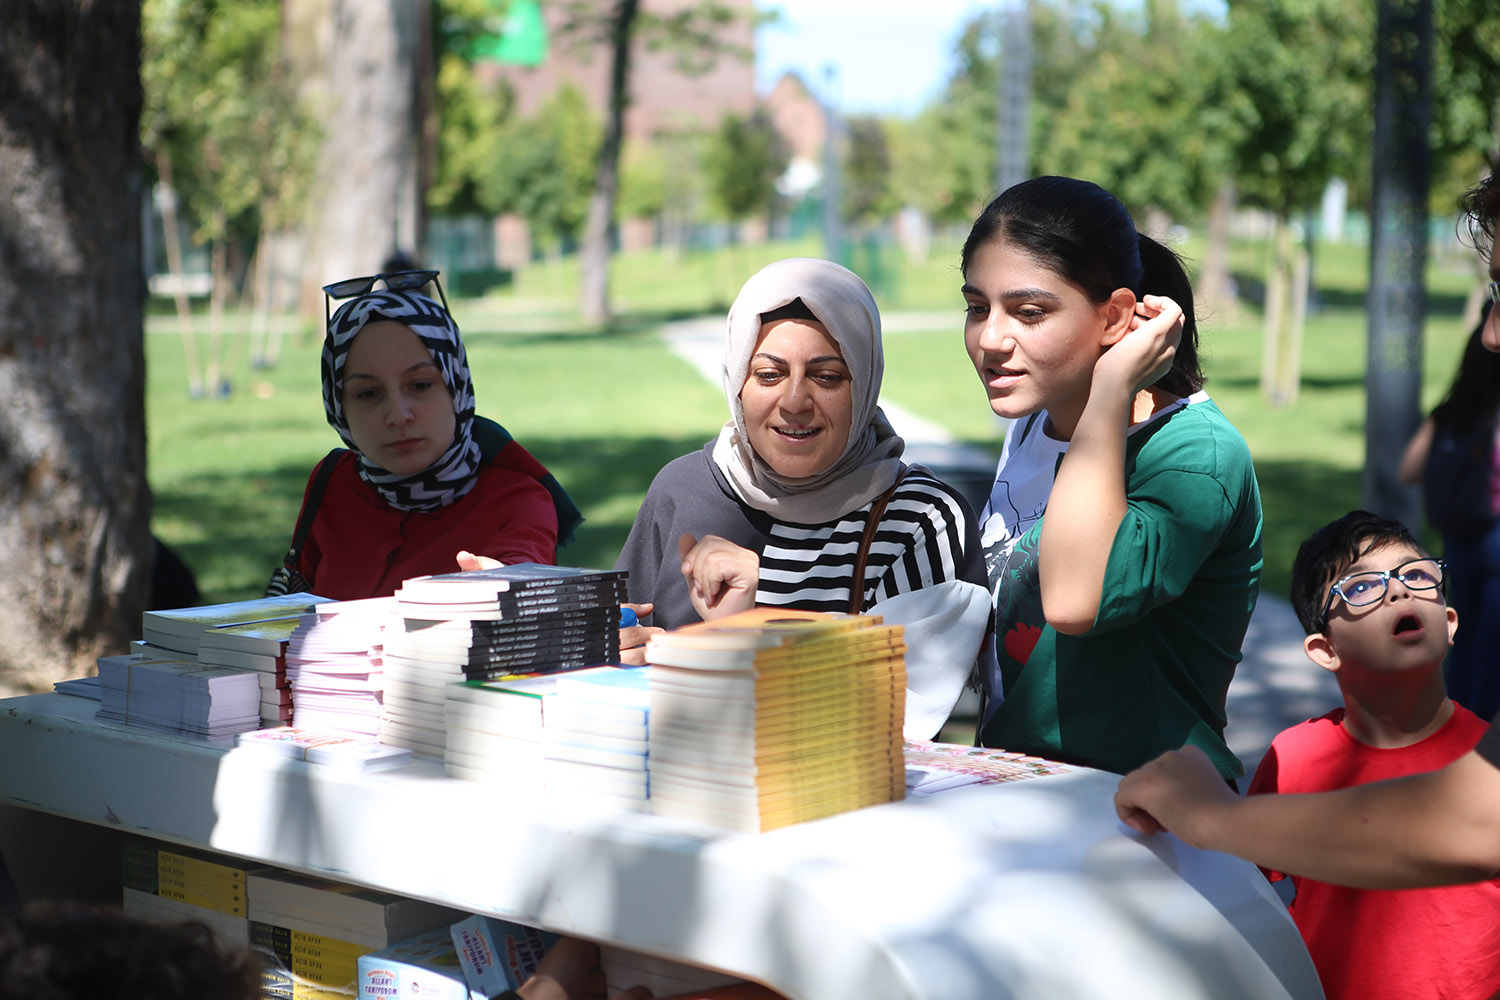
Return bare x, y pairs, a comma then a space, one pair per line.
1276, 685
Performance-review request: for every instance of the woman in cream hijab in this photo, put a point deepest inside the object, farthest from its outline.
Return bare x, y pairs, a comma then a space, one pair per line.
774, 511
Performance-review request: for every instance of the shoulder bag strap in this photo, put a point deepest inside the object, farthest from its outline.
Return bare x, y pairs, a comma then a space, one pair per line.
872, 525
310, 507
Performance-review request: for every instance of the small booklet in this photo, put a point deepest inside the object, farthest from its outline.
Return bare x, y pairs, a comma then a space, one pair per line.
341, 750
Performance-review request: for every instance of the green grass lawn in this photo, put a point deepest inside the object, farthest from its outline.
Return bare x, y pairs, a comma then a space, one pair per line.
606, 411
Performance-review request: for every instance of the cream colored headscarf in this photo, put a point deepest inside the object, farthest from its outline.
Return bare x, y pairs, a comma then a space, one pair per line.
872, 457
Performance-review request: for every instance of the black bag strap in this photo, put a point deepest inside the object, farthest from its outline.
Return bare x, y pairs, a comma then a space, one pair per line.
872, 524
310, 506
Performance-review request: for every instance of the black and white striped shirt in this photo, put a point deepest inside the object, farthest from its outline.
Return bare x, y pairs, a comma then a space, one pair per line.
919, 542
928, 535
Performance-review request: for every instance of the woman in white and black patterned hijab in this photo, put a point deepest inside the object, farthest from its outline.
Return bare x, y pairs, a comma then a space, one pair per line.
424, 485
455, 468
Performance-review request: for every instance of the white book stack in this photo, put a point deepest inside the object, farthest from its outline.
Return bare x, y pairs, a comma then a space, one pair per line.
258, 646
334, 662
595, 738
178, 696
494, 731
415, 683
368, 918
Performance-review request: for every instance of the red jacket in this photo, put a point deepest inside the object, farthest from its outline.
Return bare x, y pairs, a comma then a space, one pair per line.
359, 546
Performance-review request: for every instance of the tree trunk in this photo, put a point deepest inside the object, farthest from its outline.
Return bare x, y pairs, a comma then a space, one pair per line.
173, 233
74, 504
1398, 251
598, 226
1278, 290
1214, 291
358, 60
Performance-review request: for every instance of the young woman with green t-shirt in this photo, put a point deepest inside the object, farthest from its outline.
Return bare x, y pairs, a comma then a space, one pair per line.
1123, 532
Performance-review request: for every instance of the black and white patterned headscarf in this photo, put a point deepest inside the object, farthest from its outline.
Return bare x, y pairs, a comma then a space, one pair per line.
456, 471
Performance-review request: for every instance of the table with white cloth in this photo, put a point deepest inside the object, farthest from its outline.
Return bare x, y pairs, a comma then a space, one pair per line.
1029, 888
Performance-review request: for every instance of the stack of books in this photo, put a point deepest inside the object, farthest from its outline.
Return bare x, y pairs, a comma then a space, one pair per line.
494, 731
775, 716
512, 620
334, 663
183, 629
178, 696
244, 635
595, 738
261, 647
311, 932
171, 885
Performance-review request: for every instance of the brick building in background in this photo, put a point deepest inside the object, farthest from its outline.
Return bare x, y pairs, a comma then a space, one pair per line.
663, 99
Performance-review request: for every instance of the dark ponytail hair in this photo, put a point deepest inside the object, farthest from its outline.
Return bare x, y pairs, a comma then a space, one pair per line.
1474, 395
1082, 233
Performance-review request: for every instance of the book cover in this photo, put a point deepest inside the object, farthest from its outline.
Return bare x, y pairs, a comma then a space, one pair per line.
267, 638
933, 767
425, 967
497, 955
191, 621
485, 584
611, 685
82, 687
291, 741
758, 628
308, 899
358, 755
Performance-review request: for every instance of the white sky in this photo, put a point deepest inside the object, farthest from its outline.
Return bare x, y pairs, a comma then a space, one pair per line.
890, 56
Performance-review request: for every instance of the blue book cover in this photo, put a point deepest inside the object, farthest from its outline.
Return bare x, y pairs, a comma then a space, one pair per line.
497, 955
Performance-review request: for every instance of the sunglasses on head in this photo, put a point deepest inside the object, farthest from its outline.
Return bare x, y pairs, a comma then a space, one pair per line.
395, 281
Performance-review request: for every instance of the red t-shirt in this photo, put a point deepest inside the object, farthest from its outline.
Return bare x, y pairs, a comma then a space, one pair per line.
359, 546
1373, 944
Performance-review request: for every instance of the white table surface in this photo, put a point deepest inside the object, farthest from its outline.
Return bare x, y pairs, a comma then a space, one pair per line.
1030, 889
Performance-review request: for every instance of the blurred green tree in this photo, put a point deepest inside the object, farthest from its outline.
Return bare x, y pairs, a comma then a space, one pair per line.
742, 160
229, 138
543, 169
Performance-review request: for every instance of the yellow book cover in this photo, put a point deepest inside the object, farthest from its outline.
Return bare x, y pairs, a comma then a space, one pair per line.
845, 732
230, 903
758, 628
187, 864
669, 682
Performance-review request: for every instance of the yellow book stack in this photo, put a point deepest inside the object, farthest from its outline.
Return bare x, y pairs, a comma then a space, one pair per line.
775, 716
173, 885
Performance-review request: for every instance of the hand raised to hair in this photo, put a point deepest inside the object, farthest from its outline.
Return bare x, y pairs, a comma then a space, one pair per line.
722, 577
1144, 354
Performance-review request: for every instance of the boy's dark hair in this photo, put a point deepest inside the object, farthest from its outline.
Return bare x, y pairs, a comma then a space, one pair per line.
1474, 395
1481, 206
55, 950
1329, 552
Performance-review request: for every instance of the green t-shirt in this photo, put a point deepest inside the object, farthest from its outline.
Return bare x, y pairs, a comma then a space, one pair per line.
1181, 581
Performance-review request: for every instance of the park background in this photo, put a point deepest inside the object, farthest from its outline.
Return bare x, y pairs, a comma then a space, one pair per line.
587, 173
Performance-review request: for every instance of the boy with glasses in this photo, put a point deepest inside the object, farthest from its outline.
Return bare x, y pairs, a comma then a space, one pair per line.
1372, 604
